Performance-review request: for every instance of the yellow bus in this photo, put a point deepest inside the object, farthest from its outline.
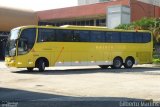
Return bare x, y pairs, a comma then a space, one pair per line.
44, 46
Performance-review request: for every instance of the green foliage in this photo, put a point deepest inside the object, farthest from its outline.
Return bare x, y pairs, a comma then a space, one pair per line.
156, 61
145, 24
156, 57
126, 26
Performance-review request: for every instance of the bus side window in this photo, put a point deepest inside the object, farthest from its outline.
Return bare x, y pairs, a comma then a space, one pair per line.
64, 35
108, 37
28, 36
138, 37
146, 37
68, 35
59, 36
115, 37
46, 35
127, 37
97, 36
76, 37
84, 36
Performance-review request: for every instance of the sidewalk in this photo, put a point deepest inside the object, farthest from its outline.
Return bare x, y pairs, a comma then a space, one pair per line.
2, 65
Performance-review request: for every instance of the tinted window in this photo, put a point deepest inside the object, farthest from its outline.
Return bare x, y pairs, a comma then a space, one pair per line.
60, 35
76, 37
146, 37
29, 35
127, 37
64, 35
46, 35
26, 41
114, 36
138, 37
108, 37
82, 36
97, 36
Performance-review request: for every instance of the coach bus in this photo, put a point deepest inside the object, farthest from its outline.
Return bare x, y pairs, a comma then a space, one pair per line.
44, 46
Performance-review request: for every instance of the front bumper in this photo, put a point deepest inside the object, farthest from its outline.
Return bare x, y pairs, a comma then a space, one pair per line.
10, 61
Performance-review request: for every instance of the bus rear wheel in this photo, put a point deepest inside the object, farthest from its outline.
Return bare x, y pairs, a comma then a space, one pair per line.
41, 65
30, 69
117, 63
104, 66
129, 63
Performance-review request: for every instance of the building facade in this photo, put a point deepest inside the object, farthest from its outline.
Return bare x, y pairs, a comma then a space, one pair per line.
98, 15
11, 18
154, 2
85, 2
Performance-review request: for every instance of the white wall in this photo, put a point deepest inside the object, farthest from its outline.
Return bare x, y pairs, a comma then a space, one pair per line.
117, 15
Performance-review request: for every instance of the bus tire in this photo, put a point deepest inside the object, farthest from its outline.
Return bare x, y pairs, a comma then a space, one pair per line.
30, 69
104, 66
41, 65
117, 63
129, 62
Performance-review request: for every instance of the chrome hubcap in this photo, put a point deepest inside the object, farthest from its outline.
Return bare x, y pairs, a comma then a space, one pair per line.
129, 63
117, 63
43, 65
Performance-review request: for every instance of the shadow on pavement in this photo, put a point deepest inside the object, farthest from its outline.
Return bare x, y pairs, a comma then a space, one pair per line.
143, 70
34, 99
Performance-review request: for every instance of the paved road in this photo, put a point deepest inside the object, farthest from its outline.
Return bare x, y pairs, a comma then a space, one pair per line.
79, 86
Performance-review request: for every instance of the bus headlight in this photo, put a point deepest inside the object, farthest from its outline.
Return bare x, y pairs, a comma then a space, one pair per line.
19, 63
12, 61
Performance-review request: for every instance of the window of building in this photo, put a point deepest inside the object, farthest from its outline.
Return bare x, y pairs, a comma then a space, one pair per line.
91, 23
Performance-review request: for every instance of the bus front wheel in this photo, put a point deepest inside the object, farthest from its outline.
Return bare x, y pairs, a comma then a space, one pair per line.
41, 65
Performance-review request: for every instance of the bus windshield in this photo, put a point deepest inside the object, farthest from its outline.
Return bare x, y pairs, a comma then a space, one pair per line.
11, 43
24, 43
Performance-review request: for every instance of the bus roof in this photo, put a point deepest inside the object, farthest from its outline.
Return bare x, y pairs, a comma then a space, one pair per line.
90, 27
100, 28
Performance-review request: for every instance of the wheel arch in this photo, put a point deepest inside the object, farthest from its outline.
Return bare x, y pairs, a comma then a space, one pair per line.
118, 57
44, 59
